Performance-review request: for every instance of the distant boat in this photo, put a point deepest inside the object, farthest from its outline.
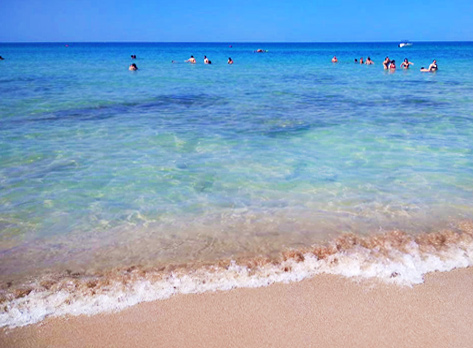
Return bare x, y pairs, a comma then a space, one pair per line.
405, 44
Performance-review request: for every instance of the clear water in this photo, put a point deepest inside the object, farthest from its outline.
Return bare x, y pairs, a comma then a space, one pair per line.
174, 163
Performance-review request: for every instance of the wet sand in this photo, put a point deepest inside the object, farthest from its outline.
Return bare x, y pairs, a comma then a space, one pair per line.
325, 311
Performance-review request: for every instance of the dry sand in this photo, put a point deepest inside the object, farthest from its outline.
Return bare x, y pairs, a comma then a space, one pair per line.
326, 311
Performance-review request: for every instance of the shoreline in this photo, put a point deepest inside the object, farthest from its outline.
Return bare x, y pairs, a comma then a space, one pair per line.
326, 310
392, 258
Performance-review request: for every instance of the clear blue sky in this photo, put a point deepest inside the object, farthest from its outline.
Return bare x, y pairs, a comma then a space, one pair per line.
235, 20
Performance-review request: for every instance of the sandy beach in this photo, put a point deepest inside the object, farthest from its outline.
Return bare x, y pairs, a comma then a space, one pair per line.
325, 311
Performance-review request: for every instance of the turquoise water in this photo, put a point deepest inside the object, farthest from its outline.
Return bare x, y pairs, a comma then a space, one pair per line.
101, 166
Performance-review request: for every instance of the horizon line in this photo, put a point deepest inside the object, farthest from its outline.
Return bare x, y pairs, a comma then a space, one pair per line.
230, 42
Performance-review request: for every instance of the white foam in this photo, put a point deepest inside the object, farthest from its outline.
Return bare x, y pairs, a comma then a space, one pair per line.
401, 268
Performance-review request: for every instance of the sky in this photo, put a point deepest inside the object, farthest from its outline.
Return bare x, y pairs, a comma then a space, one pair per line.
235, 21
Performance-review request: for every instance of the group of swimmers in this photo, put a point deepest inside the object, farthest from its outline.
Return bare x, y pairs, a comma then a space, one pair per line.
361, 61
387, 63
391, 64
191, 60
206, 60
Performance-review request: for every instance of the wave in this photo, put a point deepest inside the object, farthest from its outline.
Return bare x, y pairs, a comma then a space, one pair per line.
394, 257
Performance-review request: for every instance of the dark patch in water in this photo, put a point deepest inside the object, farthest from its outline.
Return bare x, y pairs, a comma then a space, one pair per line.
295, 129
19, 79
287, 130
421, 101
42, 89
203, 186
188, 101
200, 101
181, 166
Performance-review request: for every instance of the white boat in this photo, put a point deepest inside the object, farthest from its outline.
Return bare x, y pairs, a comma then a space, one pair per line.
405, 44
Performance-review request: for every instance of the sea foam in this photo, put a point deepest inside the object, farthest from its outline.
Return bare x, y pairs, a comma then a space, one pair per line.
394, 257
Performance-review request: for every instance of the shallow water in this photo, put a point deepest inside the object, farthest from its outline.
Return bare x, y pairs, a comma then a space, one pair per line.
101, 167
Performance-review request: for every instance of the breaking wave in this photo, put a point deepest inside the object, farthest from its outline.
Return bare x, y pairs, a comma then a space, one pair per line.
394, 257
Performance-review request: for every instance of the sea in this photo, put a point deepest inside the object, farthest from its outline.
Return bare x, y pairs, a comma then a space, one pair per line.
119, 187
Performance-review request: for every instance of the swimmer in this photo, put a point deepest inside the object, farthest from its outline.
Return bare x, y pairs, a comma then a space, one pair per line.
405, 64
356, 60
191, 60
361, 60
369, 61
334, 59
392, 65
432, 67
230, 60
207, 60
133, 67
386, 63
1, 58
259, 50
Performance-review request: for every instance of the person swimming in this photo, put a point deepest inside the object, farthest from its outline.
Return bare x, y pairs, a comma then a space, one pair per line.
392, 65
405, 64
1, 58
334, 59
230, 60
369, 61
386, 63
207, 60
432, 67
259, 50
361, 60
191, 60
133, 67
356, 60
